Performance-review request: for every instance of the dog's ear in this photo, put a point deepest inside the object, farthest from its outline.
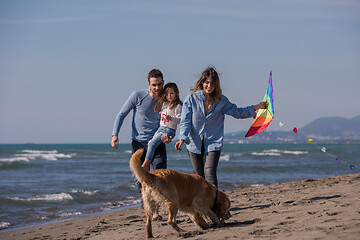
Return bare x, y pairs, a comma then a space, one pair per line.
222, 205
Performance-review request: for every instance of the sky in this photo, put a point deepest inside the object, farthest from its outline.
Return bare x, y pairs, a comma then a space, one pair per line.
67, 66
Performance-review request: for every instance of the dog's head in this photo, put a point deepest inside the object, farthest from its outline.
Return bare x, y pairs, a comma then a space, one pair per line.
222, 206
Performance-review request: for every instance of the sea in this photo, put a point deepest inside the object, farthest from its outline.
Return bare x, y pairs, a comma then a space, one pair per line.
42, 183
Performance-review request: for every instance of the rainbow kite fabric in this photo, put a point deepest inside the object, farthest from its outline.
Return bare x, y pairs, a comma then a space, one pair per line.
264, 116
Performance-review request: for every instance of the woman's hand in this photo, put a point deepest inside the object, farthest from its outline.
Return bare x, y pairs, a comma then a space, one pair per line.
261, 105
179, 144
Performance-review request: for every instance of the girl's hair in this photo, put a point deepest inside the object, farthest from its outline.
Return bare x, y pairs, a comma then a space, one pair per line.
163, 99
211, 73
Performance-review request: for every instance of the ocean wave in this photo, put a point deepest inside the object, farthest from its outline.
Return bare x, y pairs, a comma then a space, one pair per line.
29, 155
4, 225
61, 215
256, 185
225, 157
277, 152
89, 193
57, 197
13, 165
265, 154
122, 203
70, 214
83, 196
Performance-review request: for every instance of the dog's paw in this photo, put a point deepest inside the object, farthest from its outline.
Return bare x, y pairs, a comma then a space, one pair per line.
216, 225
184, 234
157, 218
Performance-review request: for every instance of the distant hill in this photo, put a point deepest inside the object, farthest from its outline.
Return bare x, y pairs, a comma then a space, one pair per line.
334, 127
328, 129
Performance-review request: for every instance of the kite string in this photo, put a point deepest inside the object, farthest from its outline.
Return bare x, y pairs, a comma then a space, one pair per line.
310, 141
269, 97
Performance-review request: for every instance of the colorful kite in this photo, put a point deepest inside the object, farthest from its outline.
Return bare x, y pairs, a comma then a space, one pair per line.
264, 116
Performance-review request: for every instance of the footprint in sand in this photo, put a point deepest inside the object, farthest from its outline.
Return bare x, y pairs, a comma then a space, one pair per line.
136, 220
132, 217
332, 214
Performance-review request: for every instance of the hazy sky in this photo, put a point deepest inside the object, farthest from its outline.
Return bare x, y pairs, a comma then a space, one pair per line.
67, 66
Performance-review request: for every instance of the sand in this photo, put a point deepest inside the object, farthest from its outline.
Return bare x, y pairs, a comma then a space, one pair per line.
324, 208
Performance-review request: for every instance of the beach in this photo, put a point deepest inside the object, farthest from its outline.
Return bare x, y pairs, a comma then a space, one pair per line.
323, 208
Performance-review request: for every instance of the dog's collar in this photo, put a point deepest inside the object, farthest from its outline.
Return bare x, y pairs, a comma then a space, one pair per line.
216, 197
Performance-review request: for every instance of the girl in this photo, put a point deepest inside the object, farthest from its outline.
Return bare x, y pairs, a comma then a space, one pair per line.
202, 123
170, 114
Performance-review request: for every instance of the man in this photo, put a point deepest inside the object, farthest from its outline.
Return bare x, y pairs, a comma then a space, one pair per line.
145, 121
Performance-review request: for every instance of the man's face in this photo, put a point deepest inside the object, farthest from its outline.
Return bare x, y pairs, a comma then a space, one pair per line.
156, 86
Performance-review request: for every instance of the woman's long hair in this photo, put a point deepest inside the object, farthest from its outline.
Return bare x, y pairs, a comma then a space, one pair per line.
211, 73
163, 99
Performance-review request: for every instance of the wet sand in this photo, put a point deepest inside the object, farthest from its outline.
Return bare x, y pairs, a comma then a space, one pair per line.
324, 208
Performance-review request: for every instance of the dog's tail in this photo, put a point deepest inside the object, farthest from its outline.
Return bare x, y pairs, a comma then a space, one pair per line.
140, 173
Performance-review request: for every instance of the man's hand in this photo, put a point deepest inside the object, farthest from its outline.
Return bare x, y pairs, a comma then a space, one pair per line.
146, 165
115, 142
165, 138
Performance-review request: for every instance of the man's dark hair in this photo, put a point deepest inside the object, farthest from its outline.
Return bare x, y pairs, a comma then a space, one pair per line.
155, 73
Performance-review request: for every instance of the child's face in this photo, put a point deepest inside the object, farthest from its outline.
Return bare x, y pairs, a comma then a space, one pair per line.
170, 94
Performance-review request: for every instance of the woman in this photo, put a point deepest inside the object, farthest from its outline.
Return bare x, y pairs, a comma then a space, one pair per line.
202, 123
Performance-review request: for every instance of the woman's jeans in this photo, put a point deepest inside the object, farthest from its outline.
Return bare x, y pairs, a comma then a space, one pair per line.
156, 140
205, 164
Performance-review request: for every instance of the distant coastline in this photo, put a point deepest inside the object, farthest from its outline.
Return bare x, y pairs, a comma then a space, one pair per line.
331, 130
326, 130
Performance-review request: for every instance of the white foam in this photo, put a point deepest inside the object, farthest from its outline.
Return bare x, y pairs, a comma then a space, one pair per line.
85, 192
277, 152
4, 225
225, 157
29, 155
47, 197
15, 159
70, 214
256, 185
265, 154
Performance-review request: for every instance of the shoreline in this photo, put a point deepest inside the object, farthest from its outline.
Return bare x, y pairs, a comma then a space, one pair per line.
12, 228
323, 208
55, 221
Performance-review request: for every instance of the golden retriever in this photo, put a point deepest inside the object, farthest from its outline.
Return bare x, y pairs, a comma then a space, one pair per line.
176, 191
